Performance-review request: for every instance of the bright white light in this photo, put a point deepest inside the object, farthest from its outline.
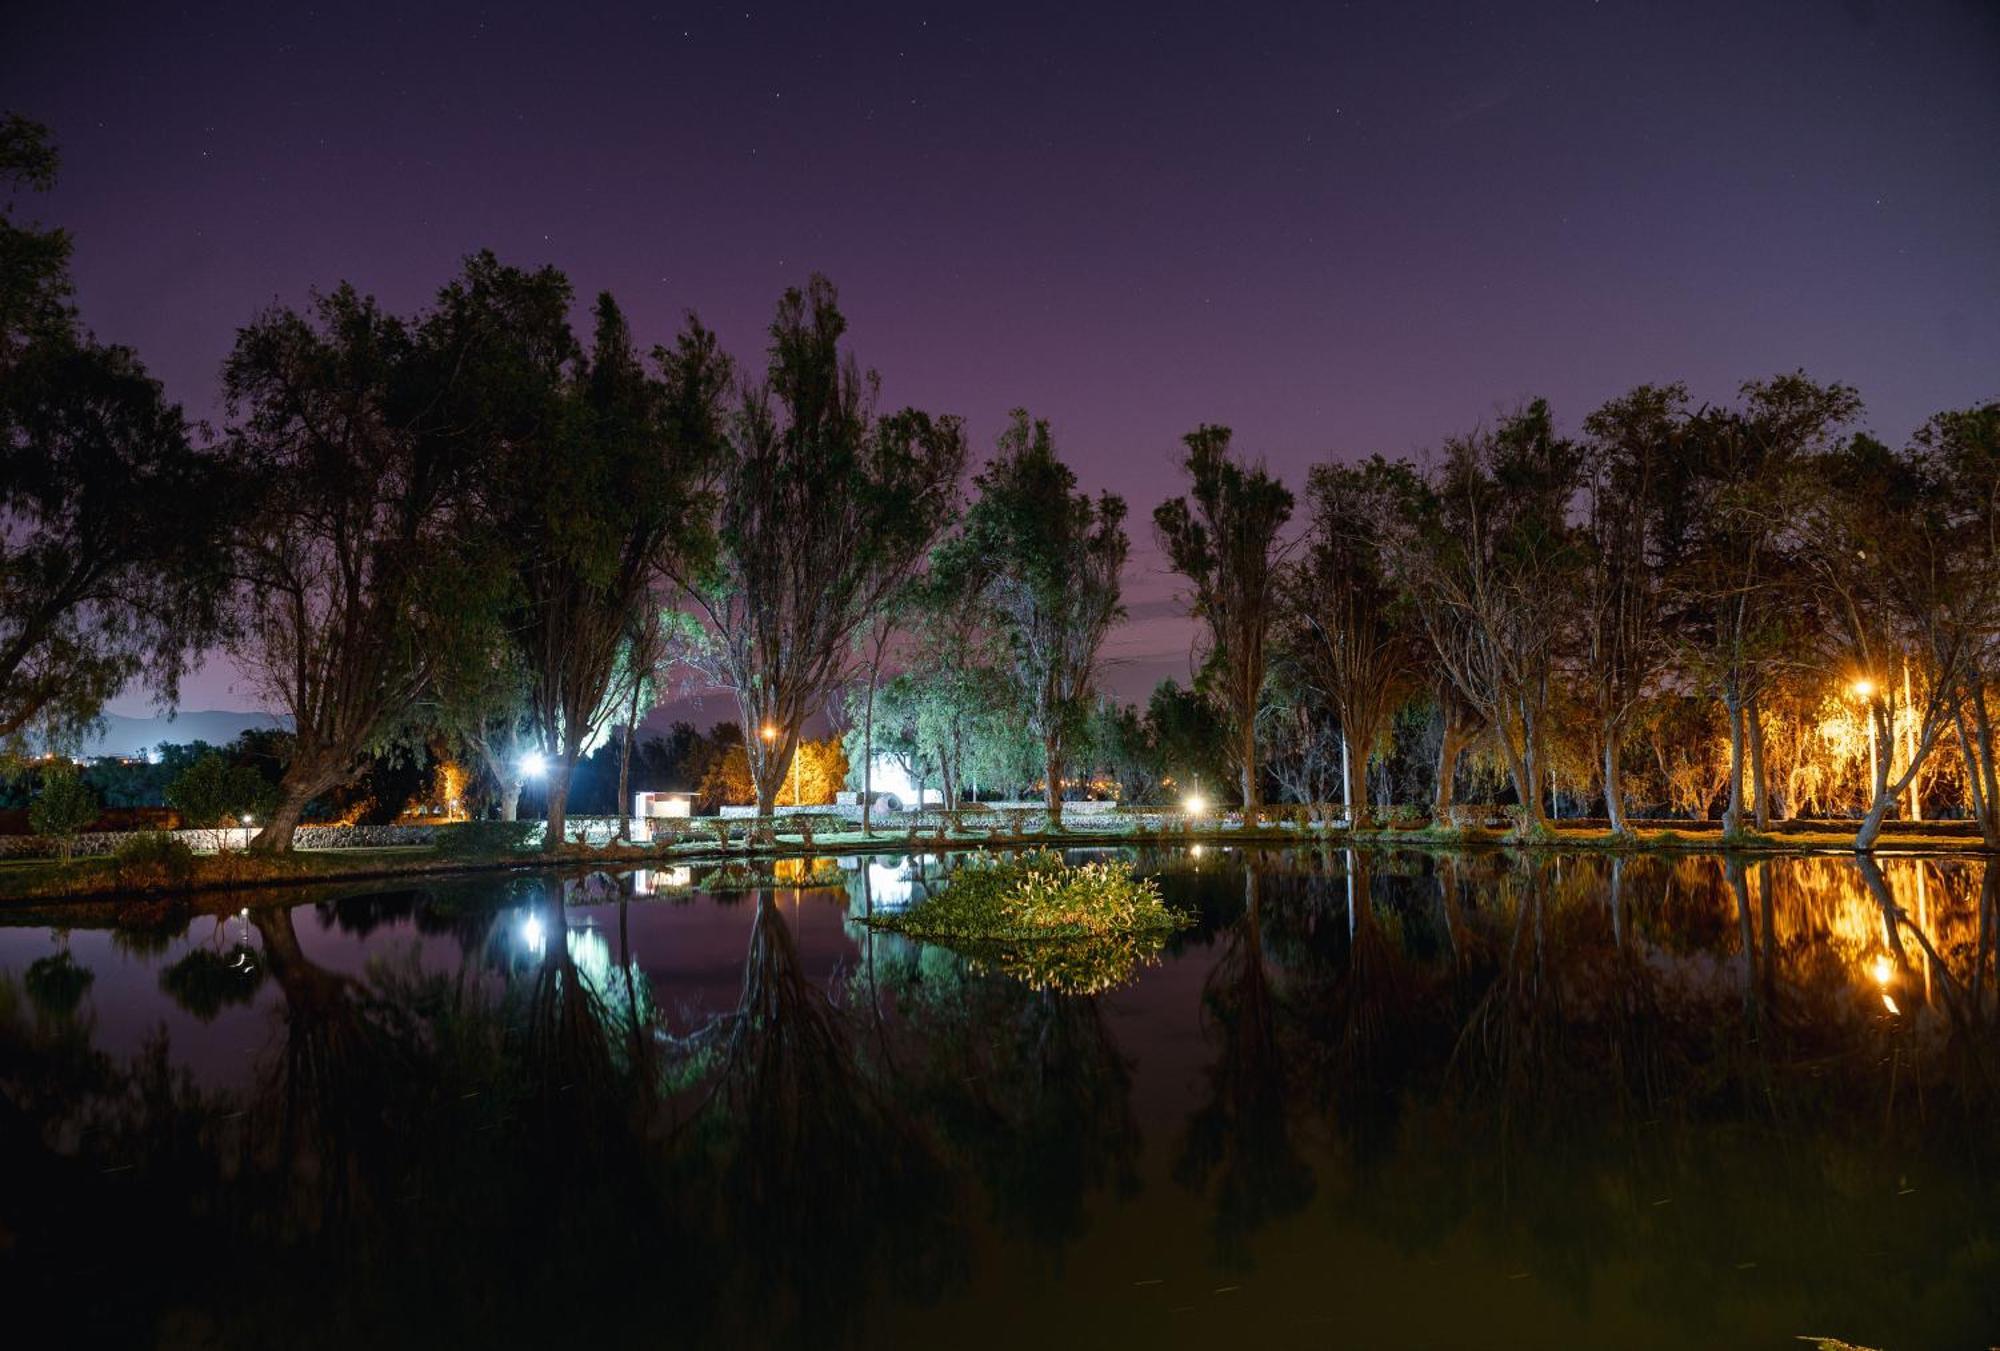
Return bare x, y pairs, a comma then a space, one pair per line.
534, 938
534, 764
1195, 804
249, 820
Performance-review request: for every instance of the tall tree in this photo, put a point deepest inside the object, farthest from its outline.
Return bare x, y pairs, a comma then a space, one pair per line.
826, 509
356, 588
1349, 626
1044, 559
109, 517
1223, 537
1902, 582
1487, 548
591, 496
1957, 455
1619, 647
1738, 621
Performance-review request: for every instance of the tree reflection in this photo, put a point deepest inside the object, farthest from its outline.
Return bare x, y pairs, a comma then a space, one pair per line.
1237, 1147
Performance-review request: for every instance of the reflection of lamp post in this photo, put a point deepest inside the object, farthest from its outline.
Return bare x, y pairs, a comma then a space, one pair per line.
1864, 690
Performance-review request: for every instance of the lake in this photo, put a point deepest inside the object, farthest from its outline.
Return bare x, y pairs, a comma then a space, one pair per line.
1364, 1099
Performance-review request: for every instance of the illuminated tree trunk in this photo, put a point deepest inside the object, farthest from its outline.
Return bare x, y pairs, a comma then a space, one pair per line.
301, 784
1760, 784
510, 798
1732, 815
1614, 796
560, 771
1052, 752
1451, 746
1247, 748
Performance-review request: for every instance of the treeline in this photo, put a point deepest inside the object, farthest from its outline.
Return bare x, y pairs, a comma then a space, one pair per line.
473, 529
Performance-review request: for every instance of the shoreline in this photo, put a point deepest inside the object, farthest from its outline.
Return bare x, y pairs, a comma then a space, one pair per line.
96, 881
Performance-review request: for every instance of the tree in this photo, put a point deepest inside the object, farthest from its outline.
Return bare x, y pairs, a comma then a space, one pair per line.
1737, 620
1957, 455
63, 808
1901, 583
1486, 548
108, 515
592, 487
1632, 500
1350, 630
1191, 745
356, 588
212, 793
826, 509
1044, 561
1223, 538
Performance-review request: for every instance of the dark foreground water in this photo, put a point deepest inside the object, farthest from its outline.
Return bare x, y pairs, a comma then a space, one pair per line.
1366, 1101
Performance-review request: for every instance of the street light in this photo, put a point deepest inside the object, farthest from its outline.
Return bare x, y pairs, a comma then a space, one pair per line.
534, 764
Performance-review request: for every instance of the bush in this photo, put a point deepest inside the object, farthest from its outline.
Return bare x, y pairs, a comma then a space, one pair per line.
211, 792
1037, 897
486, 839
152, 861
1408, 816
63, 808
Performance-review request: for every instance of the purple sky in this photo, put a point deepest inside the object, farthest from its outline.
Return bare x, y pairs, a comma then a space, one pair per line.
1337, 228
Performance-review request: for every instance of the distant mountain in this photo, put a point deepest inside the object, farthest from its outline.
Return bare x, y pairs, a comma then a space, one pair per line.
122, 735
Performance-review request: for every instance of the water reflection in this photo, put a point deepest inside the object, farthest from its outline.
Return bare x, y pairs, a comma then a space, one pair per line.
1477, 1098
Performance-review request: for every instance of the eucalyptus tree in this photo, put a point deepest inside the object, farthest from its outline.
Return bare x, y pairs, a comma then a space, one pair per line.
1738, 618
356, 588
1045, 562
1904, 582
1634, 500
1486, 547
1957, 455
592, 486
1348, 624
826, 509
109, 516
1223, 537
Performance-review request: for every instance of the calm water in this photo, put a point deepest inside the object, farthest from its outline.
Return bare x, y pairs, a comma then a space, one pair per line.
1366, 1101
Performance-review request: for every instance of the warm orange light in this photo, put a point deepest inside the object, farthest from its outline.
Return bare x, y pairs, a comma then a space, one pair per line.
1884, 970
1863, 688
770, 732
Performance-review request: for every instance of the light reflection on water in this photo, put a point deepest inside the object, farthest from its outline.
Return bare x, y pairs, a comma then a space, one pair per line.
1653, 1101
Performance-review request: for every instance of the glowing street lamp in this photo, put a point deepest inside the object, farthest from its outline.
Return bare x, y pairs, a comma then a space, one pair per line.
1194, 804
770, 735
534, 764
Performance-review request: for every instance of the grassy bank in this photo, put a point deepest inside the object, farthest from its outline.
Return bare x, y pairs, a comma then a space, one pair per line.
29, 880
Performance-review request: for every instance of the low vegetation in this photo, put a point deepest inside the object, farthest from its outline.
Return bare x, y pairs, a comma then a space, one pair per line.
1037, 897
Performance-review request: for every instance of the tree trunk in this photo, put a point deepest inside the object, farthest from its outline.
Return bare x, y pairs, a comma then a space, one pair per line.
1732, 815
623, 806
1978, 759
1052, 763
1879, 800
558, 810
510, 798
1346, 777
294, 792
1354, 760
1760, 784
1614, 795
1450, 748
1248, 751
868, 751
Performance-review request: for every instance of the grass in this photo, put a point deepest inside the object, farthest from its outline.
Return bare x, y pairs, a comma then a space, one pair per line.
101, 878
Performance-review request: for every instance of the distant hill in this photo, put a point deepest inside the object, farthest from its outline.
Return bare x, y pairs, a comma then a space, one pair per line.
122, 735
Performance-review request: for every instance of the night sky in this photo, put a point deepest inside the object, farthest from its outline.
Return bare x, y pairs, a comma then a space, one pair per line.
1339, 229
